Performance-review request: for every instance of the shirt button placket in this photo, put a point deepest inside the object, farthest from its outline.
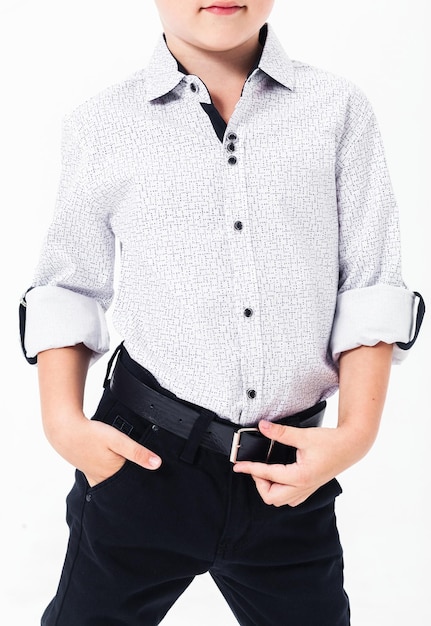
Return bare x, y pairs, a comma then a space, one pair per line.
245, 275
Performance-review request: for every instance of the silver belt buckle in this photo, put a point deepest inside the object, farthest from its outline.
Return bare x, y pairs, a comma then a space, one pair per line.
236, 443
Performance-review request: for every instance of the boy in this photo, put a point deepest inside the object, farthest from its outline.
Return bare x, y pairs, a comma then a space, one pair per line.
259, 274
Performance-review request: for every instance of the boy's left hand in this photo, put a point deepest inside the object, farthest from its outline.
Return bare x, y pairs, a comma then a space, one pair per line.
322, 453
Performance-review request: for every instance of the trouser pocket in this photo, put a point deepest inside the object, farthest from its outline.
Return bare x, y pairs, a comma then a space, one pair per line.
113, 413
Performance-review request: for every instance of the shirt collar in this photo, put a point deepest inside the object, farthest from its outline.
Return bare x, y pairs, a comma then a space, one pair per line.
162, 74
275, 62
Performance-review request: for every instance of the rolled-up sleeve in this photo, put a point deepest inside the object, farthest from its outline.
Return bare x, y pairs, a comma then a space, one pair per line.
373, 303
362, 319
58, 317
73, 283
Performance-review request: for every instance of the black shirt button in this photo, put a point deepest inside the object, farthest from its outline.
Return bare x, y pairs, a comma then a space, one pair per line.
232, 137
248, 312
230, 147
193, 87
251, 393
232, 160
238, 225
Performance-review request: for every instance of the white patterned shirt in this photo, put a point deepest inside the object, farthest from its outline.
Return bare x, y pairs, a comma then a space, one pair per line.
246, 266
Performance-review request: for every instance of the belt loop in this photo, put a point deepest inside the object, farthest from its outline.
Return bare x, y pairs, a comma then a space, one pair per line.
110, 364
194, 441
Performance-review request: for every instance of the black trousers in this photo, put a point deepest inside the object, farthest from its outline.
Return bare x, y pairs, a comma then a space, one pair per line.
138, 539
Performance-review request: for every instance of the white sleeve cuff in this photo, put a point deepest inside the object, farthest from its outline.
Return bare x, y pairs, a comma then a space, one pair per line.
366, 316
57, 317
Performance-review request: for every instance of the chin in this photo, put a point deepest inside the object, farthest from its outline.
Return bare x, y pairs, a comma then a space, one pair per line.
222, 43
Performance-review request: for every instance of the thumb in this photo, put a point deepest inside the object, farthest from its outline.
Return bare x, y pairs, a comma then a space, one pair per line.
133, 451
288, 435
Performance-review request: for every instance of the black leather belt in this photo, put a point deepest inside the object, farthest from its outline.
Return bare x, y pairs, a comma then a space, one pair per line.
220, 436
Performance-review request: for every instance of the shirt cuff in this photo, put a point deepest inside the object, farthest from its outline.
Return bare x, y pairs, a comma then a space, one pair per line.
366, 316
57, 317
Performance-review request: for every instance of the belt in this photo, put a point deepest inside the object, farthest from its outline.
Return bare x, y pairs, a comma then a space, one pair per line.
220, 435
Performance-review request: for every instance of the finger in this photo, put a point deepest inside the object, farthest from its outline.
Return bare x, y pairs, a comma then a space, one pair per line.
133, 451
275, 494
263, 486
284, 474
288, 435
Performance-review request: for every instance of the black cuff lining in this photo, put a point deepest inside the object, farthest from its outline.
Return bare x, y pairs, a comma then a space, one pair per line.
22, 319
419, 319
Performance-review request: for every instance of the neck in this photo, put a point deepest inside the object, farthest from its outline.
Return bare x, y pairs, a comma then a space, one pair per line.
216, 67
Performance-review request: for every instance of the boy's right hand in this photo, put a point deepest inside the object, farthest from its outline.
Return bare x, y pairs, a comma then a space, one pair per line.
97, 449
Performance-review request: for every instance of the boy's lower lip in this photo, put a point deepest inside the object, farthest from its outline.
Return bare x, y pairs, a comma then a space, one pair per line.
223, 10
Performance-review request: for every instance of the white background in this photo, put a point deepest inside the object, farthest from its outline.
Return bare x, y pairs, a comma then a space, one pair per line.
55, 54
